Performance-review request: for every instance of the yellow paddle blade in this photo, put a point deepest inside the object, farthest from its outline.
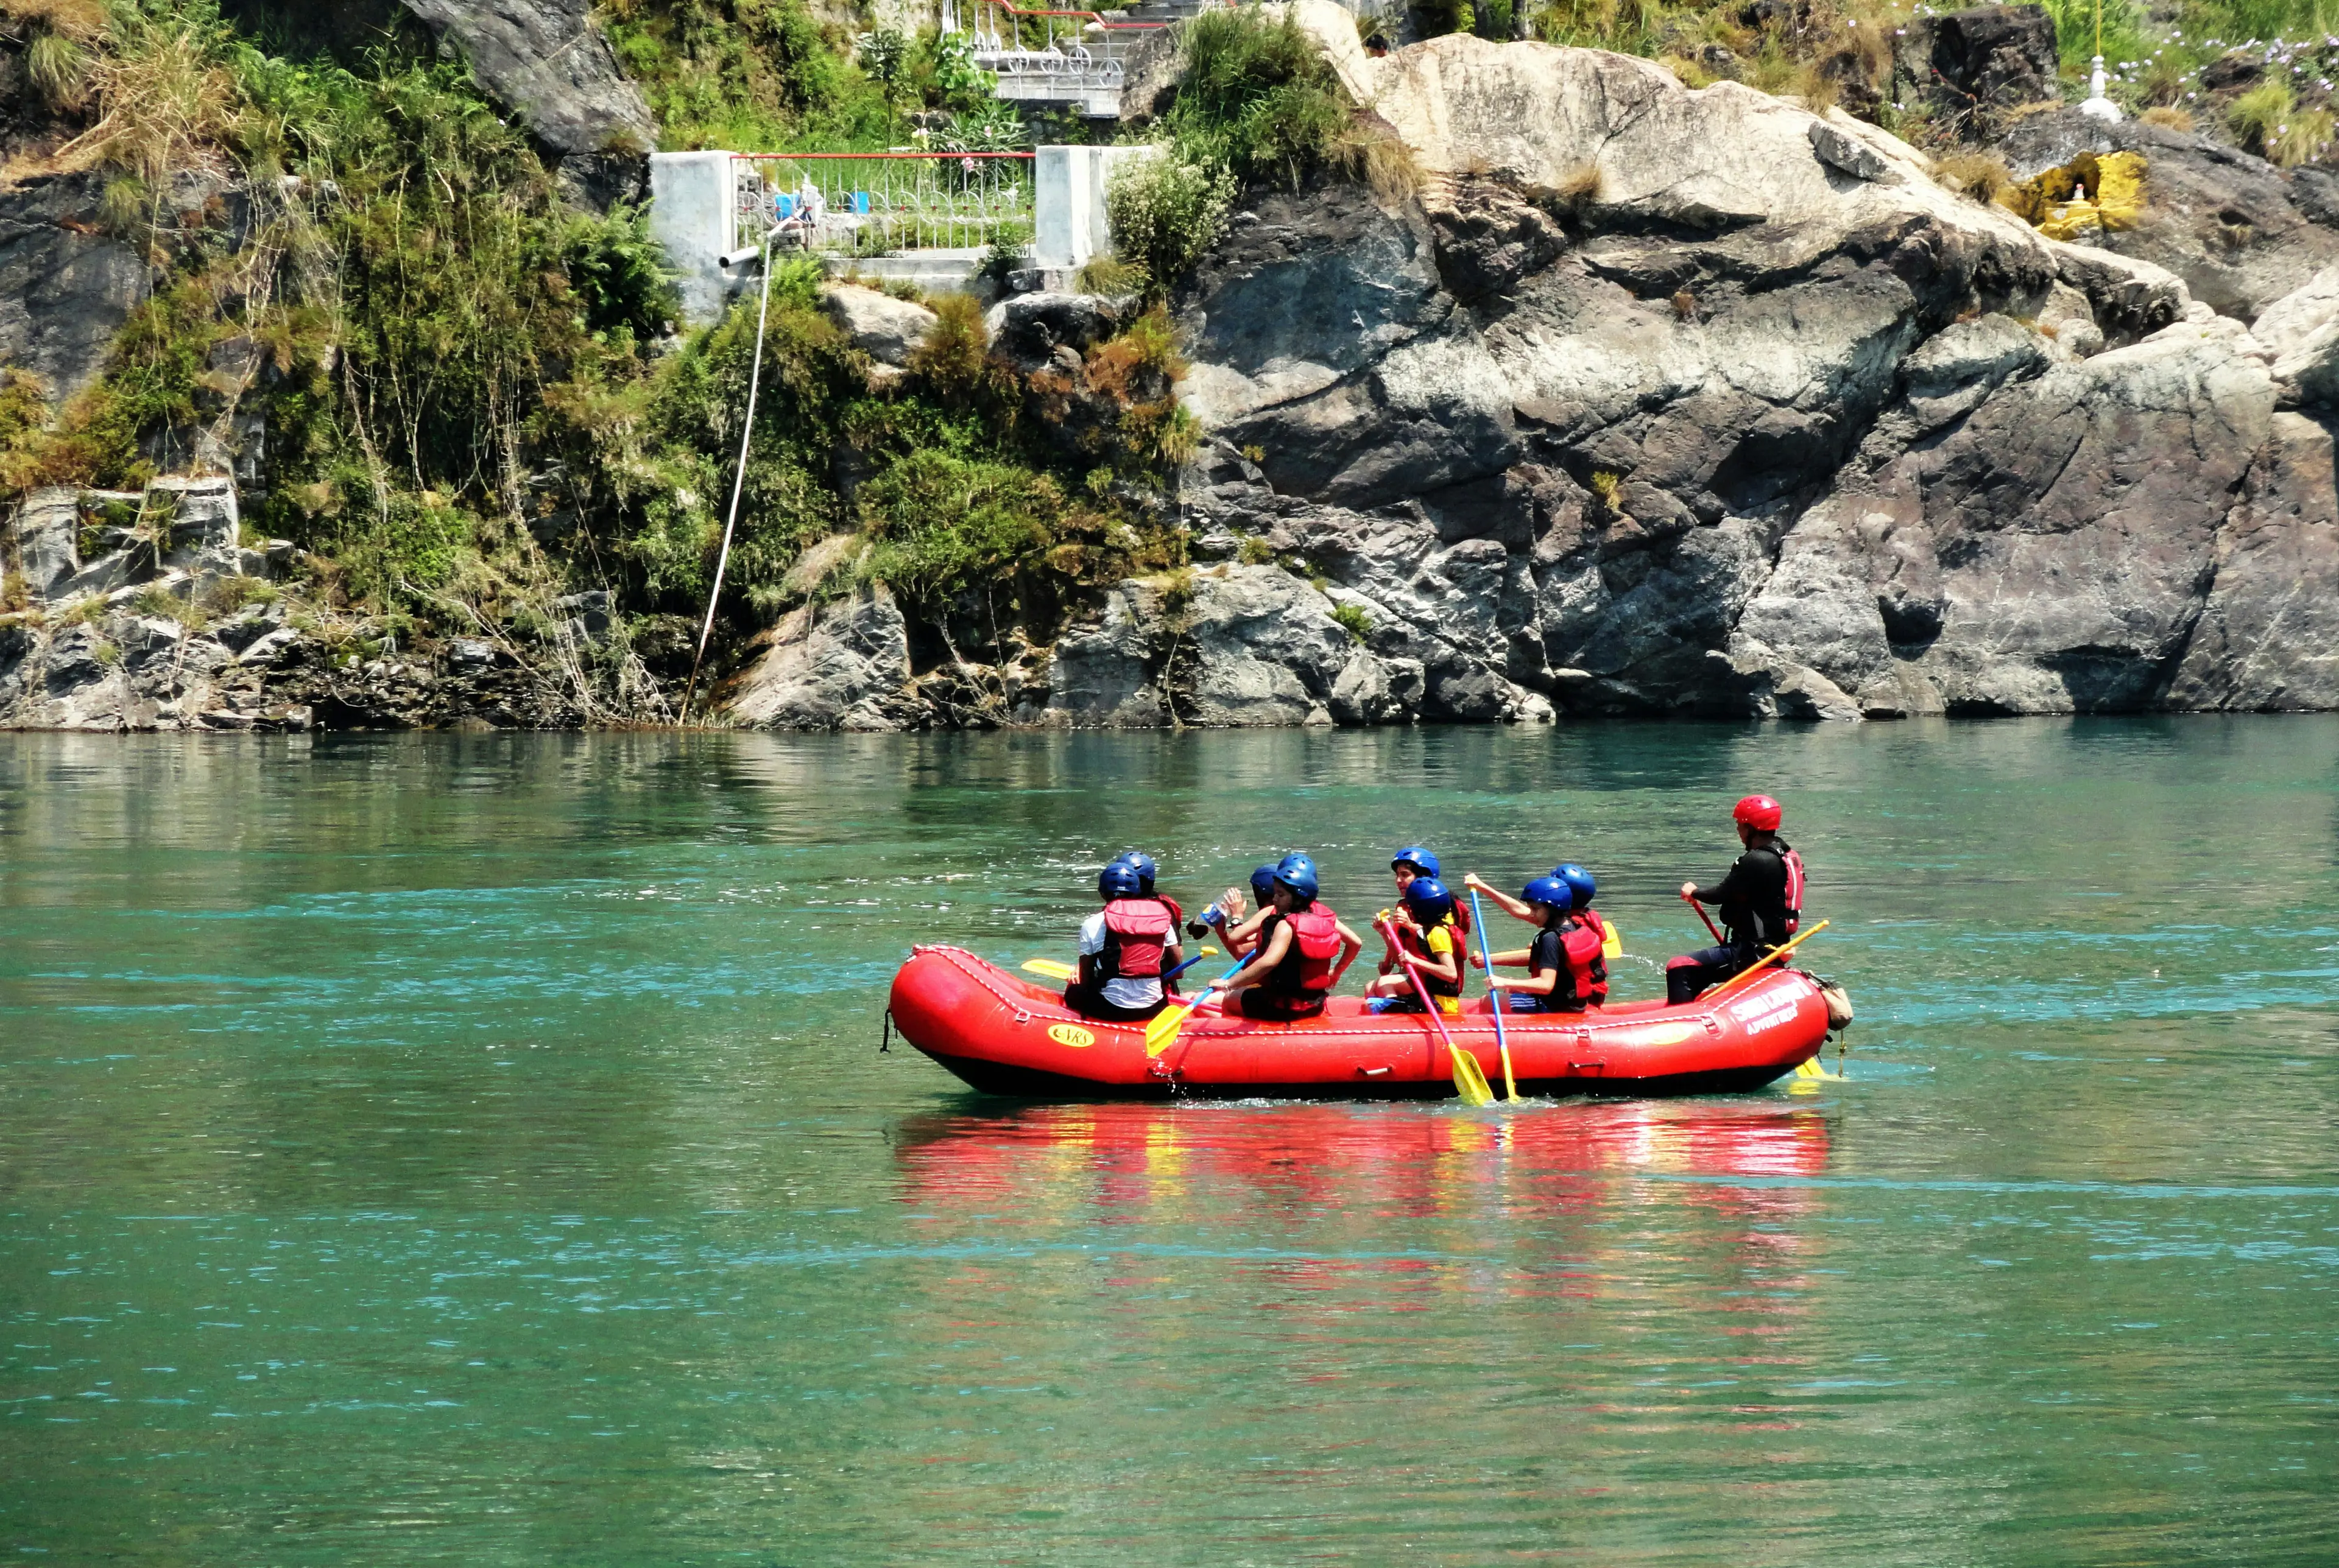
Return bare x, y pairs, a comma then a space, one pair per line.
1612, 944
1164, 1027
1816, 1073
1049, 967
1470, 1080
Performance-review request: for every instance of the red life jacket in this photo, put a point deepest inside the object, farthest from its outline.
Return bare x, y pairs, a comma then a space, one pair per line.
1136, 930
1591, 973
1177, 915
1307, 966
1794, 885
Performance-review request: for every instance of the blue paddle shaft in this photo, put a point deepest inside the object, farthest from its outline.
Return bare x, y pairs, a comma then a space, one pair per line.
1499, 1000
1213, 986
1187, 965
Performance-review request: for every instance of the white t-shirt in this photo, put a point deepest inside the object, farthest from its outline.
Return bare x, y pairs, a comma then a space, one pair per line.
1121, 991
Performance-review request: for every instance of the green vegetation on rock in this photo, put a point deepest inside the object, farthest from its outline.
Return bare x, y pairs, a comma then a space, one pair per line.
473, 399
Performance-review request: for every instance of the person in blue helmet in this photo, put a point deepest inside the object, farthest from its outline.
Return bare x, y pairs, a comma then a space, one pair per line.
1137, 860
1303, 950
1429, 939
1126, 947
1561, 951
1239, 930
1592, 972
1414, 861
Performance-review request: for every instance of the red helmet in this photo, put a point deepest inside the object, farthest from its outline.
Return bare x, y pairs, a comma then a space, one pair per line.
1758, 812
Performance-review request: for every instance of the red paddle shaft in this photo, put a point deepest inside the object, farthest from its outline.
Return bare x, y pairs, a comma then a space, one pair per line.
1707, 917
1388, 929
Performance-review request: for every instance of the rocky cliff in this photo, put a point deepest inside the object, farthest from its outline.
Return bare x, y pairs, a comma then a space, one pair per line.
1655, 399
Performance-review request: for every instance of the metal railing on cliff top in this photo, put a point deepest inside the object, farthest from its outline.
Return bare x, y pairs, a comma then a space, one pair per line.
872, 204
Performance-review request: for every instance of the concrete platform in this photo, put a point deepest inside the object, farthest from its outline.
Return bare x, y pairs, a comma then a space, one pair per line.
936, 270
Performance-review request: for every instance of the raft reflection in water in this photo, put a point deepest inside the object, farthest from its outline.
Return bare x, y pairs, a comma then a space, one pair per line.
1561, 1203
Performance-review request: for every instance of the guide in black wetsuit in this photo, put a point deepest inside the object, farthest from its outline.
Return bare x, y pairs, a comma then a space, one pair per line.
1760, 901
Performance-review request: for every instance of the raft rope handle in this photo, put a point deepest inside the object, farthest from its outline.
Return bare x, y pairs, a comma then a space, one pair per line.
738, 478
886, 1040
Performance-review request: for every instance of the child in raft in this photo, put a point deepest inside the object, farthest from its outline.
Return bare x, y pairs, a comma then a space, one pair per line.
1428, 938
1303, 950
1561, 948
1226, 917
1592, 972
1413, 860
1126, 948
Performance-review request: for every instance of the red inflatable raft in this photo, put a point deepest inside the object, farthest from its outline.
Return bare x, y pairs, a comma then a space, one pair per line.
1005, 1035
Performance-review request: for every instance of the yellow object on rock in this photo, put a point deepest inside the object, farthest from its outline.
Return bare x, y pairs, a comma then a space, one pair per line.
2090, 194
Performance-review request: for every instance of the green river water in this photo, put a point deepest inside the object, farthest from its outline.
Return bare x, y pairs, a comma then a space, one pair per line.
477, 1149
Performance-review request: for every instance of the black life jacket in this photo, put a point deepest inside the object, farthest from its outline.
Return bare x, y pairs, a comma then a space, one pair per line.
1306, 967
1770, 917
1136, 930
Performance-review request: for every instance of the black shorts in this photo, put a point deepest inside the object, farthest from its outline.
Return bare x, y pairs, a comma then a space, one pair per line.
1088, 1003
1273, 1008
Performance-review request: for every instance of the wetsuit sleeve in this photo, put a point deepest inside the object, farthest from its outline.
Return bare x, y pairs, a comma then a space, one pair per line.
1731, 889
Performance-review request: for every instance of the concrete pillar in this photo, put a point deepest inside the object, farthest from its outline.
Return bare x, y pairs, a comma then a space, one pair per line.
691, 215
1068, 219
1059, 190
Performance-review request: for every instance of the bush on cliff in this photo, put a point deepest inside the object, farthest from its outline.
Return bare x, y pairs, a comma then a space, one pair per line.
768, 76
1256, 103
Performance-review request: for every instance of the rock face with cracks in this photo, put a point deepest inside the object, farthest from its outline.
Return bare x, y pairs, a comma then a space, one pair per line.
549, 62
1659, 400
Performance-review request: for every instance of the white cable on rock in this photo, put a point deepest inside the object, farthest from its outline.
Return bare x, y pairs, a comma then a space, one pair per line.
738, 479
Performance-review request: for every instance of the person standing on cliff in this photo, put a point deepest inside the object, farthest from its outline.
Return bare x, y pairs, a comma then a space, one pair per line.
1760, 901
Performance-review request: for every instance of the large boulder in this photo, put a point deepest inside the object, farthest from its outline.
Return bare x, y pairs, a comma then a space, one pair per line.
2048, 555
66, 284
546, 61
841, 665
887, 329
2268, 634
1985, 58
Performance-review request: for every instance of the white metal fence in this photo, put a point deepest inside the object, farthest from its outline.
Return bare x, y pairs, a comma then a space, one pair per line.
874, 203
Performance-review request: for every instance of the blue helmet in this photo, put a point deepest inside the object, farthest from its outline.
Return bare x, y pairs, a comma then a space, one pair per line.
1262, 882
1418, 858
1549, 890
1117, 880
1427, 897
1579, 882
1138, 861
1297, 873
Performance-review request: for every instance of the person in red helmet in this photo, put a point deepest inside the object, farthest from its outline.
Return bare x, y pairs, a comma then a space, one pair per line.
1760, 901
